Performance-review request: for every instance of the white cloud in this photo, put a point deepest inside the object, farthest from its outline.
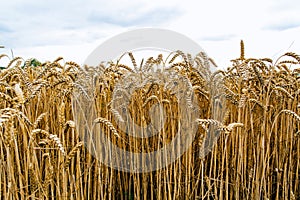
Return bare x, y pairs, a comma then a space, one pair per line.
37, 23
217, 38
141, 17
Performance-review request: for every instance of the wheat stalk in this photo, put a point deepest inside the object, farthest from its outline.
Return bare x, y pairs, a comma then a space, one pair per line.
72, 153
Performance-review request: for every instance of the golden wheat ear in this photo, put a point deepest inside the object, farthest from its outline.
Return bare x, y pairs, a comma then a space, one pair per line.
242, 55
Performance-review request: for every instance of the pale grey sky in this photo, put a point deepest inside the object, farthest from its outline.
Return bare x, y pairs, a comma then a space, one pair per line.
74, 28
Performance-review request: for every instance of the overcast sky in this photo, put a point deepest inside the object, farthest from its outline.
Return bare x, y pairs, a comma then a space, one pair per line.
74, 28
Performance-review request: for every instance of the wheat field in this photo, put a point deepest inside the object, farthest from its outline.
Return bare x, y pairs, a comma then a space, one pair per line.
44, 154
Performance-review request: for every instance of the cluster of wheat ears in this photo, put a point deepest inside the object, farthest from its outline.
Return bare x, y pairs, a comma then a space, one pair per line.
256, 156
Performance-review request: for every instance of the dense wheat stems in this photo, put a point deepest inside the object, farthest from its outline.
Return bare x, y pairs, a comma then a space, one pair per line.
254, 112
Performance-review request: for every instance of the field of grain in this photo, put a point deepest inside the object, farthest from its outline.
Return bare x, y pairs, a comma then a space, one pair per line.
256, 156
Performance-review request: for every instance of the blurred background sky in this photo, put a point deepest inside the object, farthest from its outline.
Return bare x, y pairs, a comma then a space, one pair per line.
74, 28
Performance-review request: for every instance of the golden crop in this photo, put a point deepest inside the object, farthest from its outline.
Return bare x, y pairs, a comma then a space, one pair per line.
255, 157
